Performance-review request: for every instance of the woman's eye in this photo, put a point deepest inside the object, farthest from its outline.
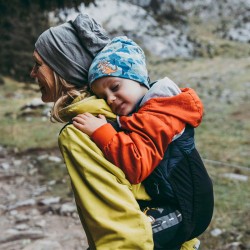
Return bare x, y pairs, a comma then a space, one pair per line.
37, 64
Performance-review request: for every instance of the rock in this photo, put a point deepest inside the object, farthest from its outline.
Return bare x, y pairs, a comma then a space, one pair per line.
20, 180
11, 197
159, 38
177, 45
234, 246
237, 177
24, 221
44, 245
28, 119
75, 216
13, 212
35, 108
42, 157
44, 119
240, 30
54, 159
3, 208
30, 165
34, 212
22, 227
216, 232
33, 104
67, 209
33, 171
41, 223
12, 231
17, 163
14, 234
15, 245
52, 183
239, 34
50, 200
5, 165
29, 202
39, 190
21, 218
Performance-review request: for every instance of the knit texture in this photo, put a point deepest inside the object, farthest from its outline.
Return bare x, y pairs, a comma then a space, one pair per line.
123, 58
69, 48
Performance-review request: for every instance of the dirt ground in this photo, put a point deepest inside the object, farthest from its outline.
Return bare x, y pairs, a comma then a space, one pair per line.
30, 218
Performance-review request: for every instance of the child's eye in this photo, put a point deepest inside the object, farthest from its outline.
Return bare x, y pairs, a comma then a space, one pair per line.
115, 87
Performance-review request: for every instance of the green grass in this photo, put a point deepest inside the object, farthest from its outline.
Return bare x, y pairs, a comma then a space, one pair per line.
224, 136
19, 132
222, 83
223, 87
231, 214
24, 135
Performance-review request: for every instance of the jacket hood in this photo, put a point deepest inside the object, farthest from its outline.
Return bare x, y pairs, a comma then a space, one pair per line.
83, 104
185, 106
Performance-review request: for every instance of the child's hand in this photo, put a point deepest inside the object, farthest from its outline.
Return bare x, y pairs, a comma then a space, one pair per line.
88, 123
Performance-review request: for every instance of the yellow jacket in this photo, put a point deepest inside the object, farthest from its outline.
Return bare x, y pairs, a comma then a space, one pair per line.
105, 199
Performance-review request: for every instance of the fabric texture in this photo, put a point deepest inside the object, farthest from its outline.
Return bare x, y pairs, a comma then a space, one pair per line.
181, 179
123, 58
90, 104
105, 199
171, 170
164, 87
69, 48
143, 148
108, 210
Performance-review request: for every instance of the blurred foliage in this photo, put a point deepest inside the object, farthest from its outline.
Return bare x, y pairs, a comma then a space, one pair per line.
21, 22
164, 10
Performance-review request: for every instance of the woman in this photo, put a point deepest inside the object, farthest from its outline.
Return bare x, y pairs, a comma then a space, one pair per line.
107, 208
105, 200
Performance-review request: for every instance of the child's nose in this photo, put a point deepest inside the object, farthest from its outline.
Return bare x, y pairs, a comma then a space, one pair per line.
111, 99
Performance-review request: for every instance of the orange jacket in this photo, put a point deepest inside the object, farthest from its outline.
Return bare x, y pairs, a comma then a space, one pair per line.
147, 133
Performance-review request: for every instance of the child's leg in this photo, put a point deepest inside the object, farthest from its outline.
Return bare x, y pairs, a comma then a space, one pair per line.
108, 210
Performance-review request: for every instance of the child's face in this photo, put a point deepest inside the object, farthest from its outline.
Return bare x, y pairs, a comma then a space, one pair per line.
121, 94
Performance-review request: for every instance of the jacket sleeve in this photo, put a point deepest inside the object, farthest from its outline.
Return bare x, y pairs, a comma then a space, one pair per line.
141, 146
139, 149
102, 191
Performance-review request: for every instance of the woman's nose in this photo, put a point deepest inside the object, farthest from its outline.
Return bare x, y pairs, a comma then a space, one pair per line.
33, 72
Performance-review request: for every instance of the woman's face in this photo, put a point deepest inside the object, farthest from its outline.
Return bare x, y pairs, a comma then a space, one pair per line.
45, 78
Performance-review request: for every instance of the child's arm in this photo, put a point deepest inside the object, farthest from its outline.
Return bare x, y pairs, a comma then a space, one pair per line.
149, 132
139, 150
136, 152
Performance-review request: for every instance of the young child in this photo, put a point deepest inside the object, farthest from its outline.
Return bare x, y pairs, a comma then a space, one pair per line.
154, 143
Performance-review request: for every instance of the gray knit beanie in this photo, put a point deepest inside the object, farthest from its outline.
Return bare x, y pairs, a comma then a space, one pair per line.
69, 48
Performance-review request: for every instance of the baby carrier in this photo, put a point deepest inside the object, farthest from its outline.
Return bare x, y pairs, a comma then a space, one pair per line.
181, 181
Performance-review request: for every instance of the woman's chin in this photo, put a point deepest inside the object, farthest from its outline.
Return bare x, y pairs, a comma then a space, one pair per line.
45, 99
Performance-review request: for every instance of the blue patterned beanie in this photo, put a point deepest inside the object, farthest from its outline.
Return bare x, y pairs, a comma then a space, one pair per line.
123, 58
